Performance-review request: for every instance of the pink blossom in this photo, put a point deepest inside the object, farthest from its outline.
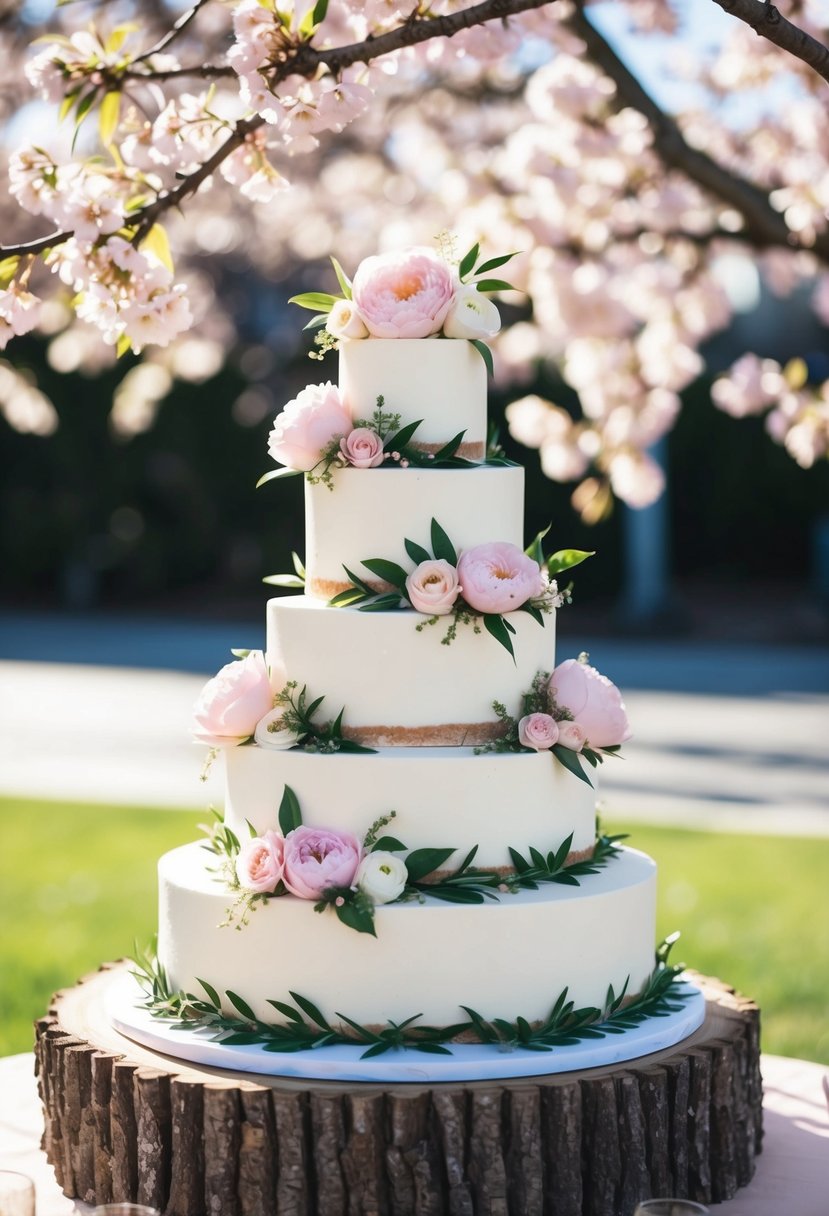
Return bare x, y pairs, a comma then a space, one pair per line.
308, 425
538, 731
362, 448
318, 858
404, 295
636, 478
433, 587
498, 577
571, 735
19, 309
750, 387
595, 703
230, 705
260, 863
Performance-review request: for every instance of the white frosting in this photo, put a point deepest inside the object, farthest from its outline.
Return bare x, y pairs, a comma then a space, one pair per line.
371, 512
387, 674
440, 381
441, 796
502, 959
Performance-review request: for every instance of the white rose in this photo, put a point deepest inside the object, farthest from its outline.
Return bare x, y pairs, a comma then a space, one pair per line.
472, 315
381, 876
270, 732
344, 321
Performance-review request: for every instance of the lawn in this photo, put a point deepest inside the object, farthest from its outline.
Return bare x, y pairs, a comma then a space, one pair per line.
77, 886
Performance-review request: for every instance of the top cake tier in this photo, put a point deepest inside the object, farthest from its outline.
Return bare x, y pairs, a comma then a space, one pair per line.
441, 381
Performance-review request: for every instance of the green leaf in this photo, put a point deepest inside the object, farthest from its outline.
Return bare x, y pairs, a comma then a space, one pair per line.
535, 549
416, 552
485, 353
67, 103
316, 321
342, 278
570, 760
399, 440
156, 243
377, 1049
358, 582
284, 580
276, 473
290, 815
494, 263
344, 599
382, 603
239, 652
468, 261
561, 852
211, 992
298, 566
521, 864
389, 572
356, 916
442, 546
493, 285
123, 346
565, 558
535, 613
316, 301
244, 1008
287, 1011
8, 269
388, 844
310, 1010
108, 117
496, 625
449, 449
423, 861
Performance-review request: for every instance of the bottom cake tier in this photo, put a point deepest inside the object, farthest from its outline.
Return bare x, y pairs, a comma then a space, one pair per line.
505, 958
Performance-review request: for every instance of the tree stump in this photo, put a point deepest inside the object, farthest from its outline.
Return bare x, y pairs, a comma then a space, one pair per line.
123, 1122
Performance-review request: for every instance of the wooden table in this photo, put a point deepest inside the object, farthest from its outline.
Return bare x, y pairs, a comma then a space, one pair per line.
792, 1177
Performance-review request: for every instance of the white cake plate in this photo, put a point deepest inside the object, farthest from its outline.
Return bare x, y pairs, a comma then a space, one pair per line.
467, 1062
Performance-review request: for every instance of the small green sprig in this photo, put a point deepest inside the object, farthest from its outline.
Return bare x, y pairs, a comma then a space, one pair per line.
304, 1026
299, 716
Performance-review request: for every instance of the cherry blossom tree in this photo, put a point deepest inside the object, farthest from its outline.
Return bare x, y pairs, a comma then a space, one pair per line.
350, 126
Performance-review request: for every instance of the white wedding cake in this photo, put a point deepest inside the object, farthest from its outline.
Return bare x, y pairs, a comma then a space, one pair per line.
422, 843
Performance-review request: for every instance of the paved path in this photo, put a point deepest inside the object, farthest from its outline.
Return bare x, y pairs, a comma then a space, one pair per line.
732, 738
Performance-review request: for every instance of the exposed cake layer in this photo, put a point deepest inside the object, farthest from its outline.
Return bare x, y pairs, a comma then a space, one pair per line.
441, 796
399, 685
504, 959
441, 381
371, 512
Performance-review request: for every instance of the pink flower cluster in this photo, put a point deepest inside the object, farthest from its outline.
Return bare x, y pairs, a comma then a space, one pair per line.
308, 861
312, 423
495, 577
598, 713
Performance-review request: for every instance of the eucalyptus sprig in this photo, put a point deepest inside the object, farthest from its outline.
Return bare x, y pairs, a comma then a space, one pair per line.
305, 1027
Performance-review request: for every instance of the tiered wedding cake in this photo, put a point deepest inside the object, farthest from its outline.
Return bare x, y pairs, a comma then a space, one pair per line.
431, 851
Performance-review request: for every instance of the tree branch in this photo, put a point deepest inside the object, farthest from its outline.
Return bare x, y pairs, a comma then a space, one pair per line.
764, 226
178, 27
305, 60
769, 22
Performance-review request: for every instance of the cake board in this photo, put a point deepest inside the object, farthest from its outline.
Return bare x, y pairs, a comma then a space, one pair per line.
125, 1122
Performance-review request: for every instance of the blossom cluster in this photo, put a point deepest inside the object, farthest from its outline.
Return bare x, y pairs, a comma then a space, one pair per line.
584, 710
492, 578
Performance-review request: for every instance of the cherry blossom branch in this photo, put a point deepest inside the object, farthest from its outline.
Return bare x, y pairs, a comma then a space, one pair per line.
305, 60
769, 22
178, 27
765, 227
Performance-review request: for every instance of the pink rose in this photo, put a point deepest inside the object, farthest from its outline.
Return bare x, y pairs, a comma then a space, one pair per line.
260, 863
538, 731
498, 577
230, 705
316, 859
307, 426
571, 735
595, 703
363, 448
404, 295
344, 321
433, 587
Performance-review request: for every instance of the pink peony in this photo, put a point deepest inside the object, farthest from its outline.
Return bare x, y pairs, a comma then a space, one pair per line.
316, 859
230, 705
498, 577
363, 448
307, 426
538, 731
433, 587
571, 735
595, 703
404, 295
260, 863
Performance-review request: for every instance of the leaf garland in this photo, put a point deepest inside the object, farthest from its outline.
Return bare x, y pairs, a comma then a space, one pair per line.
466, 884
305, 1027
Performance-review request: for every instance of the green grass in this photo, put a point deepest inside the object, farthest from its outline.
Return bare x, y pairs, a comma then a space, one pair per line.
78, 886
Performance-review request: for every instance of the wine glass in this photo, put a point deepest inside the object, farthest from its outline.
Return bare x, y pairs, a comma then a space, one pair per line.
17, 1194
670, 1207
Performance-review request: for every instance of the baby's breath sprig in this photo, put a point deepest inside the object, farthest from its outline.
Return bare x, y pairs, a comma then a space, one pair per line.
298, 716
373, 834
